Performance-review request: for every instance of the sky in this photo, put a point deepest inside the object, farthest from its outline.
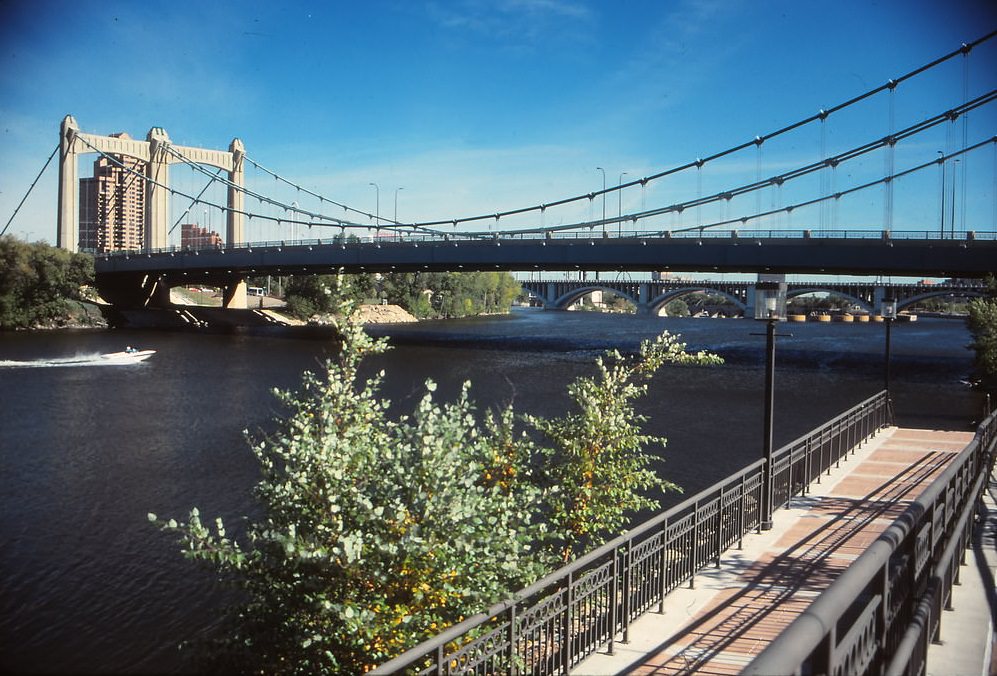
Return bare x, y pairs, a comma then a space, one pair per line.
461, 107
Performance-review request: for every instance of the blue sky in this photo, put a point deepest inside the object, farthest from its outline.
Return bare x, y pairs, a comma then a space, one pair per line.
473, 106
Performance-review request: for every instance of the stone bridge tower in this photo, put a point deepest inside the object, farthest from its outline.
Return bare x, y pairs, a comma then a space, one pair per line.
154, 154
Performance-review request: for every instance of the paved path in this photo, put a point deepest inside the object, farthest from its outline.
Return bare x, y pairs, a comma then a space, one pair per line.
736, 609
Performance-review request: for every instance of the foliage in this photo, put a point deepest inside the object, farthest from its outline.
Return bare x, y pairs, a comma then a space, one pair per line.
596, 465
983, 326
677, 308
37, 281
424, 294
378, 532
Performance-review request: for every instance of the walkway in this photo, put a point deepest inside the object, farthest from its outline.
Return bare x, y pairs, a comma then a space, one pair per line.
736, 609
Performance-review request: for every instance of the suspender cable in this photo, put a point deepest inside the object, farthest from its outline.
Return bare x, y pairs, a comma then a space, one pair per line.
964, 49
33, 183
194, 201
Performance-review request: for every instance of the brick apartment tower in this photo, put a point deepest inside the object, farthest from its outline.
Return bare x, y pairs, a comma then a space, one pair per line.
112, 205
196, 237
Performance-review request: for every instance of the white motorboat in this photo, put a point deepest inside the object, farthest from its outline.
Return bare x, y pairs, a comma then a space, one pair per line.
129, 356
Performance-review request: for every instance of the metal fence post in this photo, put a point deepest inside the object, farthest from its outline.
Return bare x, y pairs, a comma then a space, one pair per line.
566, 628
627, 586
693, 558
614, 578
664, 566
513, 667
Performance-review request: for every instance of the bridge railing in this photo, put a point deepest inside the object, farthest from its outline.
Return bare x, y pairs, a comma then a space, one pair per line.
594, 234
552, 625
880, 613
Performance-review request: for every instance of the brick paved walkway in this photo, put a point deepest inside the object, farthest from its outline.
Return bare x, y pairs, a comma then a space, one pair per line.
737, 609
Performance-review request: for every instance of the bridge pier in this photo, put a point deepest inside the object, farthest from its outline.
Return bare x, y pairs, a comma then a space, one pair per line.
157, 196
878, 295
67, 236
643, 298
235, 221
234, 295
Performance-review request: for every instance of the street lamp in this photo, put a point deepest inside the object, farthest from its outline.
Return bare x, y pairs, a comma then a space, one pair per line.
955, 165
603, 197
397, 230
294, 221
941, 161
772, 298
377, 217
603, 207
889, 313
619, 195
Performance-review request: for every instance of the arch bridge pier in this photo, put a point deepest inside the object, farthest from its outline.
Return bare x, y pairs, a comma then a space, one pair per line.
650, 296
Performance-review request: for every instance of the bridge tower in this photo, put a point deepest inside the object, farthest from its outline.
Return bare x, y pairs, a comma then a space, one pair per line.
158, 153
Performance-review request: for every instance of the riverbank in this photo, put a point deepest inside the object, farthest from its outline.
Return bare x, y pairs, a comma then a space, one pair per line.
78, 315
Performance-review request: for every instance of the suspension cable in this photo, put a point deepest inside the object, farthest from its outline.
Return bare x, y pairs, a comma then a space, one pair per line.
965, 48
838, 195
335, 222
195, 200
305, 190
33, 183
388, 224
834, 161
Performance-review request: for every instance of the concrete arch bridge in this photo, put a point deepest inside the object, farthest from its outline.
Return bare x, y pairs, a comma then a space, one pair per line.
651, 296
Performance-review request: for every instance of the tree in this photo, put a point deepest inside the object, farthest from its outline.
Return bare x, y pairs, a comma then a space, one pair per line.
982, 323
596, 464
677, 308
378, 533
37, 281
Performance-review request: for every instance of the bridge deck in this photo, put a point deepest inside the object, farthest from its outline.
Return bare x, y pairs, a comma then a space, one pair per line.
736, 609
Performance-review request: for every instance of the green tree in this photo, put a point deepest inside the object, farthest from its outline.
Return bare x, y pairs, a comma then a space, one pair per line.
596, 464
982, 323
378, 533
677, 308
37, 282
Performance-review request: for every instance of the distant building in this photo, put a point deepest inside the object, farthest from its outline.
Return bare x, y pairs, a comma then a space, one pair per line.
196, 237
112, 205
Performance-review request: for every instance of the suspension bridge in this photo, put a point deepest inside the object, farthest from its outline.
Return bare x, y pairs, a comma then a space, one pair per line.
818, 215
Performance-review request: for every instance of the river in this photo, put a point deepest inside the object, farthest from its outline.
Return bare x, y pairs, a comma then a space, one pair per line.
88, 585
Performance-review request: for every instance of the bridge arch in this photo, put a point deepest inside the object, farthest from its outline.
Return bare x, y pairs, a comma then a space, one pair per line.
855, 300
912, 300
567, 299
656, 304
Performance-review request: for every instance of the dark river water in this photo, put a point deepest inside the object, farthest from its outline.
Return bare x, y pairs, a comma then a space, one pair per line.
88, 585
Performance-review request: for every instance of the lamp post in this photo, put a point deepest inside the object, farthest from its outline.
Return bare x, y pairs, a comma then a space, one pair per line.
294, 221
399, 232
603, 208
889, 313
377, 212
619, 195
775, 305
941, 161
955, 165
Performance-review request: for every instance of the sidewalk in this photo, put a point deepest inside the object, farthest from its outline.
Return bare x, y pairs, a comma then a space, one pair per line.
736, 609
967, 631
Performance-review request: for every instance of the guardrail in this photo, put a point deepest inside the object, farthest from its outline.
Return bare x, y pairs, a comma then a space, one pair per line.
555, 623
880, 612
593, 234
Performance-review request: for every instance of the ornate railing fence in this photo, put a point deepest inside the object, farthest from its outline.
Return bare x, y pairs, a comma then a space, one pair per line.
880, 614
552, 625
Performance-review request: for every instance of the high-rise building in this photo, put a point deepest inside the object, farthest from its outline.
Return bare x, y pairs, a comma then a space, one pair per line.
196, 237
112, 205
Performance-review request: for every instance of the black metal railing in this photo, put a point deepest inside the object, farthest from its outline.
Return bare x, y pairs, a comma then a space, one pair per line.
415, 238
880, 613
552, 625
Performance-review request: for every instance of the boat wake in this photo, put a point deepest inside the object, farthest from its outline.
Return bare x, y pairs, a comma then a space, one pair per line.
95, 359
